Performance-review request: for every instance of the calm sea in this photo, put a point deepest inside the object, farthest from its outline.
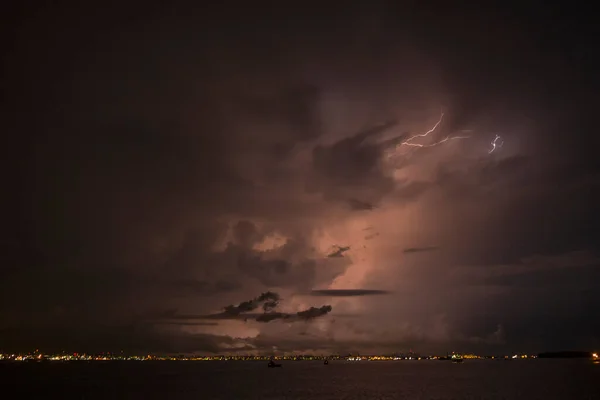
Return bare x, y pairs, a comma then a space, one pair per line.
473, 379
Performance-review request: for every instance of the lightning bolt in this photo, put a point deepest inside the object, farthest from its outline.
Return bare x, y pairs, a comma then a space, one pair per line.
408, 142
495, 144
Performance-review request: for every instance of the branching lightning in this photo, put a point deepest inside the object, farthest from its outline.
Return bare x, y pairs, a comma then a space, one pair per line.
495, 144
408, 142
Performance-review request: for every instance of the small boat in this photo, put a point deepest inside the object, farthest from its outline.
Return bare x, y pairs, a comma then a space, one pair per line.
273, 364
326, 362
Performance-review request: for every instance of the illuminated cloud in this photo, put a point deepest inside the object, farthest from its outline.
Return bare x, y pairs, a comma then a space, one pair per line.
348, 292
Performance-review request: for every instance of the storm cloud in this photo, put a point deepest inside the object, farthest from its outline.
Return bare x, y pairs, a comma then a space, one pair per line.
305, 315
268, 301
420, 249
191, 159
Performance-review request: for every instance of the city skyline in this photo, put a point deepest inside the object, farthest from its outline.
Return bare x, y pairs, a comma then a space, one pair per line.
40, 356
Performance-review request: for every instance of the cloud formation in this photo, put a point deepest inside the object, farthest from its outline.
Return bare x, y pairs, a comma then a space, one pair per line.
339, 252
305, 315
182, 170
348, 292
420, 249
268, 301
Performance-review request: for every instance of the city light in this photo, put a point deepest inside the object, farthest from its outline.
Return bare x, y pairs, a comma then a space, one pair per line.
36, 356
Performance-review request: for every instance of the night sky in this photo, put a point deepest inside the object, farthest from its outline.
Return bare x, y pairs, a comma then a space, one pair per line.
162, 167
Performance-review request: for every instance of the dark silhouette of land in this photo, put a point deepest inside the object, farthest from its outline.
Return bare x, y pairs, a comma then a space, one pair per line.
565, 354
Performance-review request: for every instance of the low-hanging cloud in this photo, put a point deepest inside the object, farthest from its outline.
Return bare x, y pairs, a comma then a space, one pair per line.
358, 205
305, 315
420, 249
186, 323
268, 300
243, 312
339, 252
314, 312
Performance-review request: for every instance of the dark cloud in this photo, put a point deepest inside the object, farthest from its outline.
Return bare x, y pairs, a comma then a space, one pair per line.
348, 292
372, 236
314, 312
245, 234
267, 300
305, 315
420, 249
107, 295
351, 168
187, 323
293, 264
297, 107
358, 205
133, 339
339, 252
522, 212
272, 316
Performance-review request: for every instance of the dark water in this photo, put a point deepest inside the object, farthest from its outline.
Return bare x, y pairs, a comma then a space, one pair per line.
519, 379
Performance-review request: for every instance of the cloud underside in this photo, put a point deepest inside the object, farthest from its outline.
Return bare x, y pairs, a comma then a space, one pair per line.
420, 249
267, 301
